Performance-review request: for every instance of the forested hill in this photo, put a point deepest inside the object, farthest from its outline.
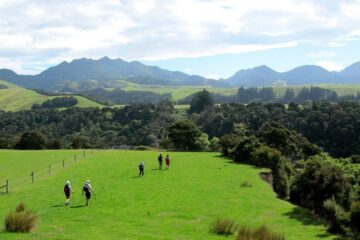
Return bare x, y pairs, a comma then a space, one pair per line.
104, 69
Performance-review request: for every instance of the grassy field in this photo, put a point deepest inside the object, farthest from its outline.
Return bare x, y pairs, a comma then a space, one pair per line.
180, 203
16, 98
178, 93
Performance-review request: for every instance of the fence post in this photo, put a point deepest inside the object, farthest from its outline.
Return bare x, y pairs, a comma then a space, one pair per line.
7, 186
63, 163
84, 153
32, 177
75, 158
49, 170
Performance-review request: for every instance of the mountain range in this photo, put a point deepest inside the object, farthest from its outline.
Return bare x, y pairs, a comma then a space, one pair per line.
107, 70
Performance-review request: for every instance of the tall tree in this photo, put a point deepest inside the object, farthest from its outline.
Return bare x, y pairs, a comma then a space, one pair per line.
200, 101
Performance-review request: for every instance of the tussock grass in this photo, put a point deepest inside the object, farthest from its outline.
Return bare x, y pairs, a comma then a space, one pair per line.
246, 184
224, 227
260, 233
21, 220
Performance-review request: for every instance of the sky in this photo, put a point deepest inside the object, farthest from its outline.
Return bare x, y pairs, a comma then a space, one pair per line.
212, 38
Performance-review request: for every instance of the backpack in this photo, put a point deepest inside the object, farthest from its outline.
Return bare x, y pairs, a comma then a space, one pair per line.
66, 188
86, 188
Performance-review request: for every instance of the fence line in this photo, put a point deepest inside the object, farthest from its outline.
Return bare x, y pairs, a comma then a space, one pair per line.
41, 174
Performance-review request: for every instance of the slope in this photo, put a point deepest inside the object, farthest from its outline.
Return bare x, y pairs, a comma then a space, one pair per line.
180, 203
15, 98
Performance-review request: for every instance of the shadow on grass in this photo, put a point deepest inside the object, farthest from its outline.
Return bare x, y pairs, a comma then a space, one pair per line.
58, 205
307, 218
78, 206
304, 216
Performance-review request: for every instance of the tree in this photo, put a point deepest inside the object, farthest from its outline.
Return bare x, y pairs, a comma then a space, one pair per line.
200, 101
202, 142
3, 144
32, 140
81, 142
184, 134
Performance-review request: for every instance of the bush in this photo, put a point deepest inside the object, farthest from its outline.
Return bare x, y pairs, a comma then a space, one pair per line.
32, 140
265, 156
281, 178
215, 144
244, 149
224, 227
228, 143
202, 142
335, 215
260, 233
355, 216
21, 220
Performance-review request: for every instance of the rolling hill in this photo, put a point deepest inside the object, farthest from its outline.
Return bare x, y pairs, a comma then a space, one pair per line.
15, 98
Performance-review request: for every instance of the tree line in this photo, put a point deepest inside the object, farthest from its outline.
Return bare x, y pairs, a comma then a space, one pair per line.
270, 95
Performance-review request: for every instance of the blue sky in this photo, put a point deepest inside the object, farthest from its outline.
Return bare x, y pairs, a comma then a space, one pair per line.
213, 38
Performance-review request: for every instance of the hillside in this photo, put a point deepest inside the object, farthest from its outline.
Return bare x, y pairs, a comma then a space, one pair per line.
303, 75
173, 204
15, 98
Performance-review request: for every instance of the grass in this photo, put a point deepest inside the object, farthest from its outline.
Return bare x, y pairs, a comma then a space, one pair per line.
259, 233
16, 98
180, 203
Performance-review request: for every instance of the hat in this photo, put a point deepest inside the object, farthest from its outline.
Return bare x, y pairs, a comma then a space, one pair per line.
87, 181
67, 182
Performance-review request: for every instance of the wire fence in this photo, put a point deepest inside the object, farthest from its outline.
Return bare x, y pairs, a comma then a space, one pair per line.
34, 176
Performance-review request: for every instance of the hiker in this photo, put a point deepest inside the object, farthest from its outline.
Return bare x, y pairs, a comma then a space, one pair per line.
142, 169
160, 159
167, 161
88, 190
67, 191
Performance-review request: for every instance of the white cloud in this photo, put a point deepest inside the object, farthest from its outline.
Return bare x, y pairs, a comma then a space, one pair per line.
322, 54
330, 66
153, 29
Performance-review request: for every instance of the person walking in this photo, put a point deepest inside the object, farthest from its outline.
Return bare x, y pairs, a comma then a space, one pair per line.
87, 189
67, 191
141, 168
167, 161
160, 159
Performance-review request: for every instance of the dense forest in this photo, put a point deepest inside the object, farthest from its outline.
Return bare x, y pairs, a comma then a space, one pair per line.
312, 149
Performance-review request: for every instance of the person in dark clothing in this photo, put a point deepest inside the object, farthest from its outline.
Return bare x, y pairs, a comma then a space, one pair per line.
160, 159
87, 189
142, 169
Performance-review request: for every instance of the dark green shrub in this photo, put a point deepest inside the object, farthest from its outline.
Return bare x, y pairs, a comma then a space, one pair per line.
224, 227
265, 156
21, 220
355, 216
228, 143
260, 233
281, 178
32, 140
215, 144
244, 149
335, 215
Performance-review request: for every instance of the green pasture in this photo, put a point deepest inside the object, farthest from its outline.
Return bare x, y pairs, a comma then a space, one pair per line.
179, 203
